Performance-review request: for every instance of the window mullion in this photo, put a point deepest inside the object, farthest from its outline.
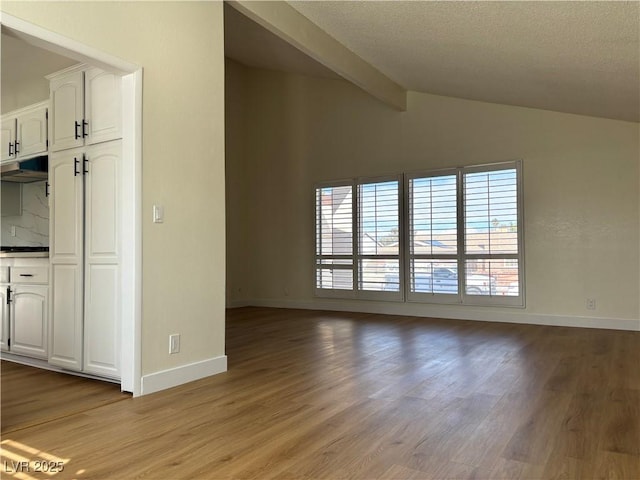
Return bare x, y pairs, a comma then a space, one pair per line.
355, 237
461, 252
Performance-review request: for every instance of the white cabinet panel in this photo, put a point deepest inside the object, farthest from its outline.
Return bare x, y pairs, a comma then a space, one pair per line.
66, 329
4, 318
102, 260
30, 275
103, 105
32, 132
67, 111
66, 205
66, 254
8, 136
29, 320
102, 325
102, 202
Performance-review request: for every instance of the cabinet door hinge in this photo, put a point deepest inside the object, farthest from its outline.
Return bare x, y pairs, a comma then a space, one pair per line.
8, 295
9, 342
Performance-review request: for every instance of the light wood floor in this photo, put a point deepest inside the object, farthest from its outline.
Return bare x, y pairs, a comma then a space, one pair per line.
31, 396
316, 395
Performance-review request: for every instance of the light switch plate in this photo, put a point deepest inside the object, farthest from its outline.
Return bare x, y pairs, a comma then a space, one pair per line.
158, 214
174, 343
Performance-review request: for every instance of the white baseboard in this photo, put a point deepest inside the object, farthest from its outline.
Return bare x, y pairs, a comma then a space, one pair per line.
238, 304
154, 382
507, 315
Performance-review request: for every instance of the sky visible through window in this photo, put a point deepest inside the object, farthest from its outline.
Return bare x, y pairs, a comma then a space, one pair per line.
379, 210
485, 263
490, 199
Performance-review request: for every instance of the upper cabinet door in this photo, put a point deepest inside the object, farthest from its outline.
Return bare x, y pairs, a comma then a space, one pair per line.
32, 132
66, 207
8, 138
67, 107
103, 106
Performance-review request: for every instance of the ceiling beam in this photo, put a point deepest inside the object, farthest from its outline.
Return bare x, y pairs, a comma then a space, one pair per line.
286, 22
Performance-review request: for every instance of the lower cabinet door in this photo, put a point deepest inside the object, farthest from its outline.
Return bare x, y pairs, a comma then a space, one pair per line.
66, 328
29, 306
4, 318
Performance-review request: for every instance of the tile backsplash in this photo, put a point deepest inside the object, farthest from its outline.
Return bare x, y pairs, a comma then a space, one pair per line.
32, 227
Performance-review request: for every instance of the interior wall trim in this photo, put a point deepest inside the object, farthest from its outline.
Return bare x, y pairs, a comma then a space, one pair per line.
449, 311
154, 382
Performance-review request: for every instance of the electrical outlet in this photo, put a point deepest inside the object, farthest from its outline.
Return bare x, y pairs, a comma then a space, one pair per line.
174, 343
13, 230
591, 303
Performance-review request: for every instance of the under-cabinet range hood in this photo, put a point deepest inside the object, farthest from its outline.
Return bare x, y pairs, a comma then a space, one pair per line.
26, 171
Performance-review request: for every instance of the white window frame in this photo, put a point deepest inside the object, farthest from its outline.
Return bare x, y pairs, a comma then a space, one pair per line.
424, 297
461, 256
405, 257
356, 256
329, 292
498, 300
371, 294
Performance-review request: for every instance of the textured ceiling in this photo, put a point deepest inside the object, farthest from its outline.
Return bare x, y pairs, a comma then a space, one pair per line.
576, 57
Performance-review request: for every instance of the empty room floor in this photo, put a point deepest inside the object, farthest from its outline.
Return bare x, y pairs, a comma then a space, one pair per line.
325, 395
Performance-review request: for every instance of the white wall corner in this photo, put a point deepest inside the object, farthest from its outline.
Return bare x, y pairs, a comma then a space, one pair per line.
157, 381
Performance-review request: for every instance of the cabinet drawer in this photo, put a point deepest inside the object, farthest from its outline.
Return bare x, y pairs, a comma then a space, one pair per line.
29, 274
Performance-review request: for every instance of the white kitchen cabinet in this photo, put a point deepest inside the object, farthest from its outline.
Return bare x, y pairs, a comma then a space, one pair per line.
4, 318
102, 260
103, 106
66, 251
85, 107
28, 320
24, 312
85, 258
32, 131
8, 135
24, 132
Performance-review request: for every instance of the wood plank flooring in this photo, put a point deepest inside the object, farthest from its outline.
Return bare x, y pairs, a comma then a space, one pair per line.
31, 396
322, 395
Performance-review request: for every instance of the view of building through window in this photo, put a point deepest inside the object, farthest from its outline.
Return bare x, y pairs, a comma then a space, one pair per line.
460, 238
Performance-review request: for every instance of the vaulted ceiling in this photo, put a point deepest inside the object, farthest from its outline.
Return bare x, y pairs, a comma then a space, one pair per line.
575, 57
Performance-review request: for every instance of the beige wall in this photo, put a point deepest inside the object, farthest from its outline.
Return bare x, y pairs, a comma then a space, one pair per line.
235, 143
580, 186
180, 46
